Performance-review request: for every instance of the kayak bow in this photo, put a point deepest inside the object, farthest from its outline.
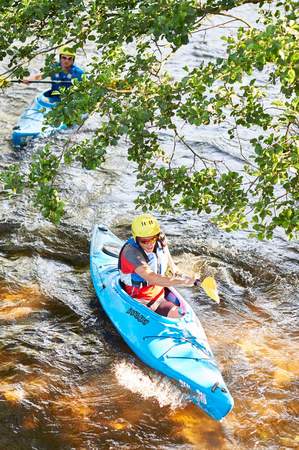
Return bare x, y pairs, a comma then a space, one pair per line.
31, 122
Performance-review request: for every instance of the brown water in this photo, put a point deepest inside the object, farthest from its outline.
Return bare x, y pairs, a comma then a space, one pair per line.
68, 381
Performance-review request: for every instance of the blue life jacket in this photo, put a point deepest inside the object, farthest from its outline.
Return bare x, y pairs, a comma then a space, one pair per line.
65, 77
157, 261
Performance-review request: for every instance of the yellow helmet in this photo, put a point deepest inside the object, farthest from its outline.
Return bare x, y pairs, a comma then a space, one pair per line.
67, 51
145, 225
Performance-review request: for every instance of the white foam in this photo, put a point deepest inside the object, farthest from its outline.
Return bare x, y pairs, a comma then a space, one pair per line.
154, 386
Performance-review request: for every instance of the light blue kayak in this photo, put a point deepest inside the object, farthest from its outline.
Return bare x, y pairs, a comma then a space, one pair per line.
31, 122
177, 348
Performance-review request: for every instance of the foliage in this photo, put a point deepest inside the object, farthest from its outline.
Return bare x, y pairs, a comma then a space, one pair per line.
129, 86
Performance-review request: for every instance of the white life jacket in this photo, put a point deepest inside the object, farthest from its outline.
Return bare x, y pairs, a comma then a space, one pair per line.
157, 261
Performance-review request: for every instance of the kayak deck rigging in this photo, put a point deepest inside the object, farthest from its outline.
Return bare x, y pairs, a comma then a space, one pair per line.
183, 340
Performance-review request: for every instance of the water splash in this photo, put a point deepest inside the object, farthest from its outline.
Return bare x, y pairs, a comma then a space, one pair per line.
152, 386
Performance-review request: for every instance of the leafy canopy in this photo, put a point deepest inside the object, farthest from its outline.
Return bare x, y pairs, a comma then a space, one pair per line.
130, 88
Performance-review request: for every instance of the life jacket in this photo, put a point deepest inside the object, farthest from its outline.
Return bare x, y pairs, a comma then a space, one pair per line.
156, 260
65, 77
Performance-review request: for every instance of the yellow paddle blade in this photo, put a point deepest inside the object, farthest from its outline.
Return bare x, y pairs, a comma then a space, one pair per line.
210, 287
3, 82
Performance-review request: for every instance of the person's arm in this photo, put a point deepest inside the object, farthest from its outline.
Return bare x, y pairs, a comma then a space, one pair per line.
33, 77
161, 280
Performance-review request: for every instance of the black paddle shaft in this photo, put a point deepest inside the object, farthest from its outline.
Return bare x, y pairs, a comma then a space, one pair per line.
40, 81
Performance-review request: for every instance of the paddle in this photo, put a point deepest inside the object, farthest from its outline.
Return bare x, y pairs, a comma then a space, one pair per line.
39, 81
210, 287
33, 81
5, 81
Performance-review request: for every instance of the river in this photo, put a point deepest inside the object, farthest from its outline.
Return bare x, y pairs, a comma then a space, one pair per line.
68, 381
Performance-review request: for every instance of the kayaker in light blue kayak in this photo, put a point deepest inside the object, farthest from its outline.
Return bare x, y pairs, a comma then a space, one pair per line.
63, 73
143, 261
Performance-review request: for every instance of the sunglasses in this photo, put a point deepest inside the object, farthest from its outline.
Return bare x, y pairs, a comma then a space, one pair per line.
148, 240
68, 58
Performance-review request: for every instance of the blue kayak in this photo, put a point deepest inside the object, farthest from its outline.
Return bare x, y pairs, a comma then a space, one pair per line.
177, 348
31, 122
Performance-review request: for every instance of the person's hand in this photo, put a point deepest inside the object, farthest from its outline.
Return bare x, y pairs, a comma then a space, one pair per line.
32, 77
26, 80
185, 280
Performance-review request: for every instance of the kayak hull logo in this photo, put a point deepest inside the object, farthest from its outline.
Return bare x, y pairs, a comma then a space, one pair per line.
138, 316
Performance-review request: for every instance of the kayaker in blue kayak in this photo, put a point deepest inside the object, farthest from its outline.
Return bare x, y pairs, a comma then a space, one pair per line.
63, 72
143, 261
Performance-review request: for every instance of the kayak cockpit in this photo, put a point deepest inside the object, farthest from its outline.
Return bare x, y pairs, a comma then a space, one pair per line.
111, 250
